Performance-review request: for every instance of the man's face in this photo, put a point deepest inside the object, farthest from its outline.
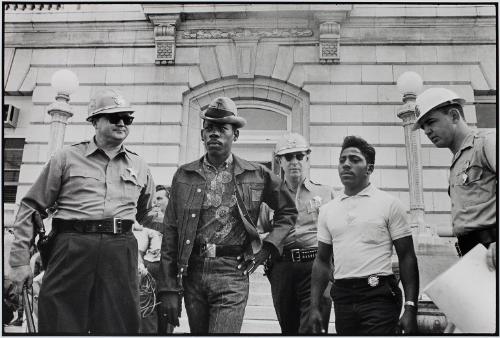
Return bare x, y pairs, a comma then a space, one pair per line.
439, 128
161, 200
294, 165
218, 138
354, 171
113, 127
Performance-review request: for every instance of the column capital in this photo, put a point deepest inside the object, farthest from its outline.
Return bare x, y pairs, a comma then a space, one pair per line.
60, 111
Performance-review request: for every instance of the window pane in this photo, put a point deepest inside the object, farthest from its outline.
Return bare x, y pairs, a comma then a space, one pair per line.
486, 114
260, 119
9, 194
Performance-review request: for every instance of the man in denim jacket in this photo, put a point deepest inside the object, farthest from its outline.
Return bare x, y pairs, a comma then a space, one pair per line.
211, 244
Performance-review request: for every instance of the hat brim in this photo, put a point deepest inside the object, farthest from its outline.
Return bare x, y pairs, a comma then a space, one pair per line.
293, 150
112, 111
237, 121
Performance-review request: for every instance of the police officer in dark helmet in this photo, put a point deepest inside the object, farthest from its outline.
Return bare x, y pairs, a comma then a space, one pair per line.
100, 187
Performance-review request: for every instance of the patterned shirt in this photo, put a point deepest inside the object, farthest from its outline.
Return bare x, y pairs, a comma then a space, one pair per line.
220, 222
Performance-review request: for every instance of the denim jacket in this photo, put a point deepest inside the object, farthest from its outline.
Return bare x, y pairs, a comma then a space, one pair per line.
255, 184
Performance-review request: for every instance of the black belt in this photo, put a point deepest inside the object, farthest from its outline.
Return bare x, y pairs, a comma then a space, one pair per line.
353, 283
469, 240
107, 226
299, 255
210, 250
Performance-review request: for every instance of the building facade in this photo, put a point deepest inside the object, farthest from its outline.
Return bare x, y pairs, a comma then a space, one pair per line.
325, 71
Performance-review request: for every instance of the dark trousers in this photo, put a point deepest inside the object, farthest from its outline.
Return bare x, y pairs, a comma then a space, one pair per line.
466, 243
291, 292
367, 310
150, 323
91, 285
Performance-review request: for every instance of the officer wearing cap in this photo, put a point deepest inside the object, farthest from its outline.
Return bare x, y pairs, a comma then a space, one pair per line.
473, 174
290, 273
211, 244
100, 187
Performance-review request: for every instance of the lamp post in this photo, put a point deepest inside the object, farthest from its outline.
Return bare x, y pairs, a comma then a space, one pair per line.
65, 83
410, 84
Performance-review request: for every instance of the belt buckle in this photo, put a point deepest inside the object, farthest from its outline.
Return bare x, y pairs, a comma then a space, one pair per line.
295, 255
209, 250
117, 225
373, 280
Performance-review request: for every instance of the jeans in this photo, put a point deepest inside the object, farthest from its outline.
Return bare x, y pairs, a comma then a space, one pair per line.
291, 291
216, 294
90, 285
367, 310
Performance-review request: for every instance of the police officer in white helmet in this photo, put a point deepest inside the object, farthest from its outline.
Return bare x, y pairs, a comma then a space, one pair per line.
100, 187
290, 273
473, 173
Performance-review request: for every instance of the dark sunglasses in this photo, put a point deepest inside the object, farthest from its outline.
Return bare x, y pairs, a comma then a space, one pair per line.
115, 118
299, 156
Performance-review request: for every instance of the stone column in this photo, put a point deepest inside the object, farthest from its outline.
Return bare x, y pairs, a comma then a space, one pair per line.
421, 231
60, 112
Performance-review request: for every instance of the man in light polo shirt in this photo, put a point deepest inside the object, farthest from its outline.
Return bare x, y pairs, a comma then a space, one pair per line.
360, 228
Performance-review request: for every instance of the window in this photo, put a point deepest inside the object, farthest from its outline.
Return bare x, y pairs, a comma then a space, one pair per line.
12, 156
486, 109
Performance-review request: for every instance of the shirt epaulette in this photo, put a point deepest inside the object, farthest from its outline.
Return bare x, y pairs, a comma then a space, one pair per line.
130, 151
315, 182
79, 143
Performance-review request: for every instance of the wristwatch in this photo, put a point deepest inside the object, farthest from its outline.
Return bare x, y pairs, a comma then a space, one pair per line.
410, 303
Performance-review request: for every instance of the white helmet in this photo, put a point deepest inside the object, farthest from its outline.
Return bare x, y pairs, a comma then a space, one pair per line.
433, 98
291, 143
108, 101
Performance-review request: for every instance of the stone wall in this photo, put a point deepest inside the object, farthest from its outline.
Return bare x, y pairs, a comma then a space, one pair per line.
270, 54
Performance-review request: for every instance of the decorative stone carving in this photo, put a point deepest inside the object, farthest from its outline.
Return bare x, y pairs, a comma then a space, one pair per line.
245, 58
246, 33
329, 42
165, 43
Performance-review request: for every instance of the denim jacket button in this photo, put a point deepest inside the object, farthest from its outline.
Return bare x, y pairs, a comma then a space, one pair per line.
188, 242
198, 190
193, 215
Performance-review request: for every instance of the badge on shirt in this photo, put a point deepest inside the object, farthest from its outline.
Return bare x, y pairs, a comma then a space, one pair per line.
132, 172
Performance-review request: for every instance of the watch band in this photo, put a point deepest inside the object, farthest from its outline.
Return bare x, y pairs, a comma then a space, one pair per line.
410, 303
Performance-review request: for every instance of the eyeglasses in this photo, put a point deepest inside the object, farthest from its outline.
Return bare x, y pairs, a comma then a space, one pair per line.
115, 118
298, 156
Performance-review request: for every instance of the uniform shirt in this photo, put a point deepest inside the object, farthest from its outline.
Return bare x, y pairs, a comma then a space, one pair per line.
361, 229
309, 198
86, 185
473, 180
220, 222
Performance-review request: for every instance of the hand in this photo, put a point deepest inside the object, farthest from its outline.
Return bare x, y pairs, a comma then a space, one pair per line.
143, 271
408, 321
249, 264
169, 309
19, 276
315, 322
491, 257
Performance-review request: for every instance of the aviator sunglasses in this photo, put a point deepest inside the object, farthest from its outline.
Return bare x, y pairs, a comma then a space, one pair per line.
115, 118
290, 156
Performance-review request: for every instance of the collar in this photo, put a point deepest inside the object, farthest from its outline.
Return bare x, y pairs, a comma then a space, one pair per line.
226, 164
305, 183
240, 165
92, 148
368, 191
468, 142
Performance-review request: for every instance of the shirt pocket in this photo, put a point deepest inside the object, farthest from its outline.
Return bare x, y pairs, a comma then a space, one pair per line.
132, 186
372, 232
470, 186
86, 180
